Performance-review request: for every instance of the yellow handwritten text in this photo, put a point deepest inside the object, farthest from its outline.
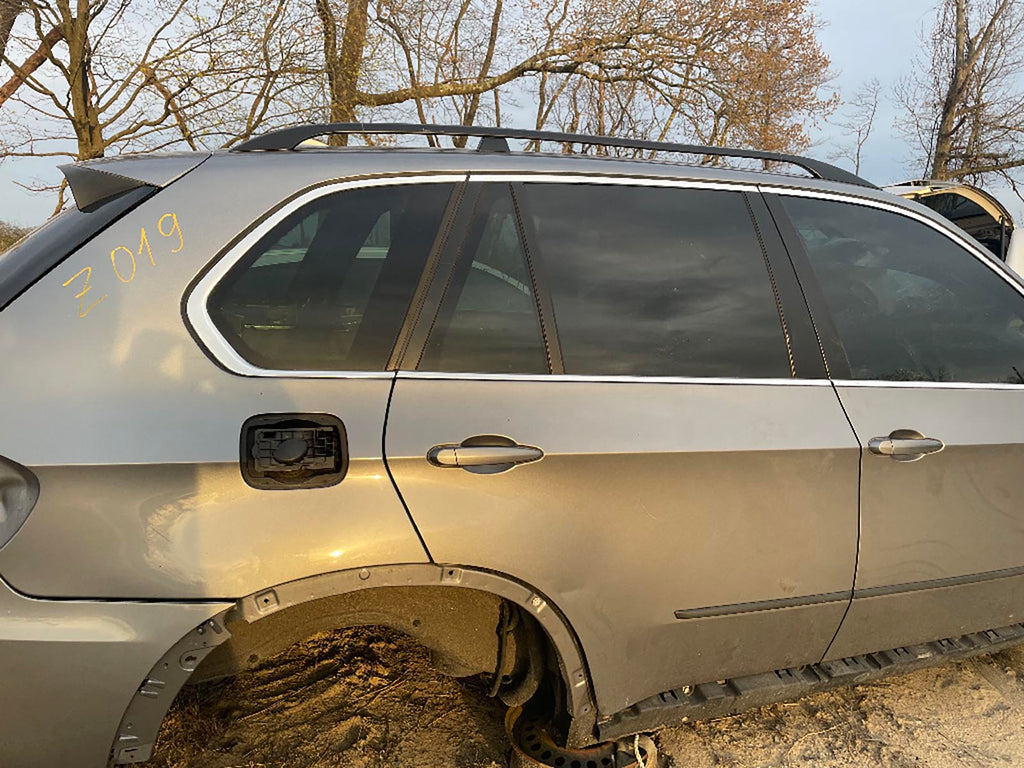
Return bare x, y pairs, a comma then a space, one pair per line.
82, 309
113, 263
175, 228
122, 257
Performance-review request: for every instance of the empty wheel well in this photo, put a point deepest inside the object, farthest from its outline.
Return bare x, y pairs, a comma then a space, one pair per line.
467, 631
472, 621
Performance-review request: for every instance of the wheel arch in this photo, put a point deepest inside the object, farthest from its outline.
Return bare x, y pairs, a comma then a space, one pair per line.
141, 723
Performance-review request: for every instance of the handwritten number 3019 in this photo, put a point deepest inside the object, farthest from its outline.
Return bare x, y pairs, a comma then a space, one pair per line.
123, 260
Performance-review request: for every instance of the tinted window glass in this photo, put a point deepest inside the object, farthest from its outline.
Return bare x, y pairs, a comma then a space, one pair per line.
328, 288
650, 281
488, 322
909, 303
970, 217
34, 256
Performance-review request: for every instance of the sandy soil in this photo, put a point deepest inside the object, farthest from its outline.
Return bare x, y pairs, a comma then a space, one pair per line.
368, 699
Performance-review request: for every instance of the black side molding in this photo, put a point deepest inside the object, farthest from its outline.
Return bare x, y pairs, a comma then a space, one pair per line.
762, 605
730, 697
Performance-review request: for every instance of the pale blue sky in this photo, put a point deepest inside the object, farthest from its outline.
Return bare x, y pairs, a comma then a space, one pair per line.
864, 38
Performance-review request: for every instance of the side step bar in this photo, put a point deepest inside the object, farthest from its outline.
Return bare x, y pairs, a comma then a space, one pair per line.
730, 697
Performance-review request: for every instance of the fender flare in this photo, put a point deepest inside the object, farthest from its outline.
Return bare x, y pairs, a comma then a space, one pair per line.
137, 732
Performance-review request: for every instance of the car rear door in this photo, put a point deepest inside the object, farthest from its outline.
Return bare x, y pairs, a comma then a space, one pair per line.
928, 361
610, 407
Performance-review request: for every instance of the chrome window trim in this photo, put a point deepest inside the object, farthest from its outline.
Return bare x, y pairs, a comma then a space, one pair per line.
198, 313
882, 383
609, 379
628, 181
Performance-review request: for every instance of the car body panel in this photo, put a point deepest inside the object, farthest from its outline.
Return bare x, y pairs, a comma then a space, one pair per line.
687, 530
70, 668
651, 498
924, 615
196, 530
136, 431
953, 515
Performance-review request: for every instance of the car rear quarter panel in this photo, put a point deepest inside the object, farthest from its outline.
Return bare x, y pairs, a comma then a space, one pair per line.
134, 432
70, 668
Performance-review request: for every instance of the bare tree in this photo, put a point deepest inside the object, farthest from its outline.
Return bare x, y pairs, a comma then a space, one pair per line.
9, 10
134, 77
857, 123
107, 76
748, 72
964, 104
716, 71
10, 234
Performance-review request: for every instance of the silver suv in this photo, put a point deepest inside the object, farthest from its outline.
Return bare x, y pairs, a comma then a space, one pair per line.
638, 440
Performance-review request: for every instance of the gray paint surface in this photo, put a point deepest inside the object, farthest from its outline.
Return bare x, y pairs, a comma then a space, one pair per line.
956, 513
70, 669
650, 498
952, 513
135, 432
921, 616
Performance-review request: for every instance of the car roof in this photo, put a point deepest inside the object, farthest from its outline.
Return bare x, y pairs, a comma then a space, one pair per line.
297, 160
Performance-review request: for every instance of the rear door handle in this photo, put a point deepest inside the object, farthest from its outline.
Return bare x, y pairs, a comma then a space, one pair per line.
905, 445
484, 454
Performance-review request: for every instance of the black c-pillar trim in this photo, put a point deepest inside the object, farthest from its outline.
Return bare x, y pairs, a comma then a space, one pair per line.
821, 317
436, 278
802, 338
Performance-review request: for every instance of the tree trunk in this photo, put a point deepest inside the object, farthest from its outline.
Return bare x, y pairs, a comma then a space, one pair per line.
957, 82
469, 116
343, 66
9, 10
83, 104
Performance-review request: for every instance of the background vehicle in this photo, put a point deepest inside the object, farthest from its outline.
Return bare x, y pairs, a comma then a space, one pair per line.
972, 209
638, 440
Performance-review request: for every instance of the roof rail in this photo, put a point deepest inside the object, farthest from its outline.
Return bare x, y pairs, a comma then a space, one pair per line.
290, 138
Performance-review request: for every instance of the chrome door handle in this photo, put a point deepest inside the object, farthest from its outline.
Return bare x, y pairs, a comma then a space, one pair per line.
484, 454
905, 445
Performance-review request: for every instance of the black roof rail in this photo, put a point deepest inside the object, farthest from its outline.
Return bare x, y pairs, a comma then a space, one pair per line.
290, 138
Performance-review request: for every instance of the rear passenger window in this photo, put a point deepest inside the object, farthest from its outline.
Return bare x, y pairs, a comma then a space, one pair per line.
657, 281
488, 322
328, 288
910, 304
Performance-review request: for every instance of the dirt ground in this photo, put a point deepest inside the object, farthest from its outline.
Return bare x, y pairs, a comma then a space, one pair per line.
361, 698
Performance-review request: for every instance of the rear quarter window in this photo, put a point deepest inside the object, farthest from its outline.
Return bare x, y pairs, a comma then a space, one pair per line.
328, 287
